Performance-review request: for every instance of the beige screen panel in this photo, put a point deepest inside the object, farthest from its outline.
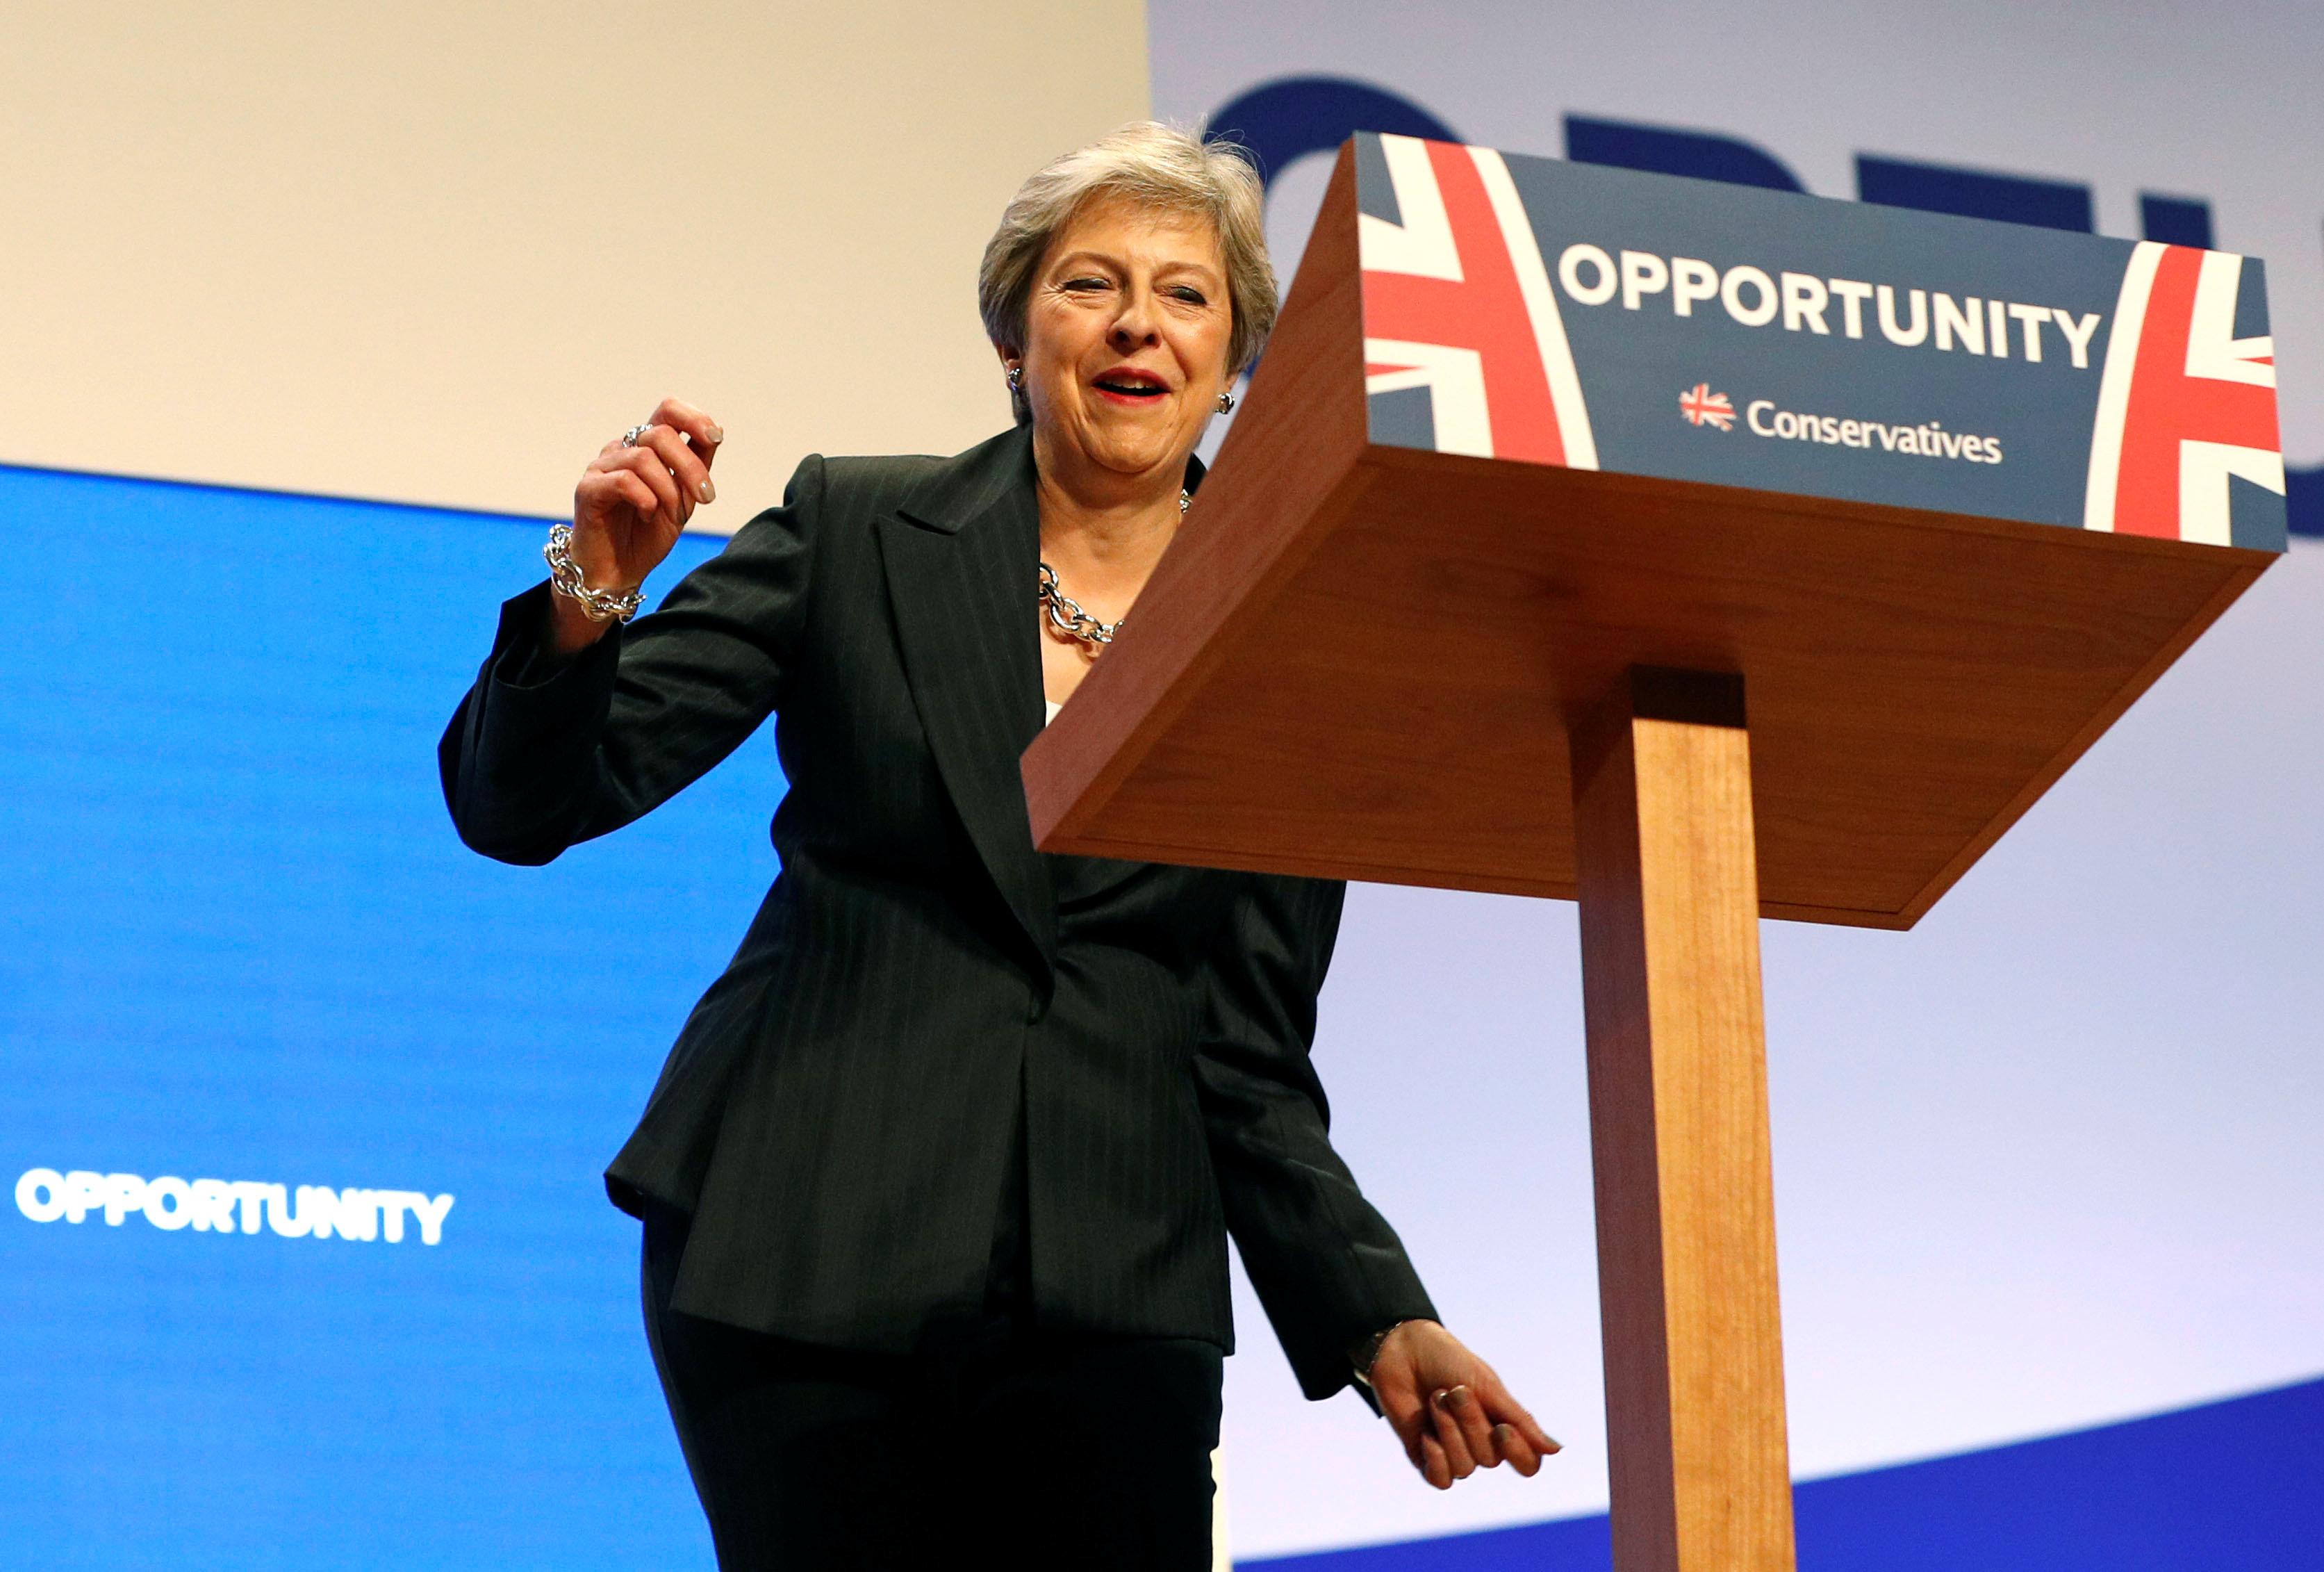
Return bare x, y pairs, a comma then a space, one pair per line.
438, 254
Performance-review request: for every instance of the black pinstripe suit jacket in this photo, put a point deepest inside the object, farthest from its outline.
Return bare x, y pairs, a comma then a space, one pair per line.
840, 1109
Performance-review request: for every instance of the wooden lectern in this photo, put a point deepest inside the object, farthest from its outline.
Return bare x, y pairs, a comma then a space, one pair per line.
1701, 554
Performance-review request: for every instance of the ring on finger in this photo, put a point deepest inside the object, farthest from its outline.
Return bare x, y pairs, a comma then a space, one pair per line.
630, 438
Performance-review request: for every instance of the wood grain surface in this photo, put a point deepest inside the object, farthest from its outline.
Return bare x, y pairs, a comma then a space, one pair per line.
1678, 1119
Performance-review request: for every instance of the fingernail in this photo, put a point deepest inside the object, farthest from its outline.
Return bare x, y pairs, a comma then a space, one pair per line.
1457, 1397
1555, 1444
717, 435
1440, 1397
709, 492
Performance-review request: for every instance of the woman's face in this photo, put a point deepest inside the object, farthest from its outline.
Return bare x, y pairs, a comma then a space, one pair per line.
1126, 336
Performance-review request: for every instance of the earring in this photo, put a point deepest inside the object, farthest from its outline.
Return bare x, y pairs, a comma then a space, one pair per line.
1016, 379
1226, 403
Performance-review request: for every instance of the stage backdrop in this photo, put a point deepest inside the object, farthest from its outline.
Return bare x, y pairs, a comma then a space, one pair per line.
306, 1263
2044, 1162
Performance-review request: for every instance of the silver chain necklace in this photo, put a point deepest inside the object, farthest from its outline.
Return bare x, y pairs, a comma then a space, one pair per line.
1067, 620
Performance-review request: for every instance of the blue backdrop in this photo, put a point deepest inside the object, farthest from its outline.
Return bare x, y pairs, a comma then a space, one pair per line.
244, 944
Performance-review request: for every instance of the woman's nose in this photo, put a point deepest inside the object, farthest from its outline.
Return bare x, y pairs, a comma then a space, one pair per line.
1135, 329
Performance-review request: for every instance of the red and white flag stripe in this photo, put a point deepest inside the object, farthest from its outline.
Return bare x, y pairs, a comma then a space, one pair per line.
1457, 300
2183, 404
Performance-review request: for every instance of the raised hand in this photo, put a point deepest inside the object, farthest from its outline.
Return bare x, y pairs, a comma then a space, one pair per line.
634, 500
1449, 1409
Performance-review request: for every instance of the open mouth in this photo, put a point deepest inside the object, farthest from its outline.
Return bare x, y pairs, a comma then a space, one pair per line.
1135, 385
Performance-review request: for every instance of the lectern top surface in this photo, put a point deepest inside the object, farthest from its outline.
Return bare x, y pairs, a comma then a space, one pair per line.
1949, 495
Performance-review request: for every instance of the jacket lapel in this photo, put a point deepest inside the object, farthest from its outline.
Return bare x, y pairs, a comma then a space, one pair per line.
960, 553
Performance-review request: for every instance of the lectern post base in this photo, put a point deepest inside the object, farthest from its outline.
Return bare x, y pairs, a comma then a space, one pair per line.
1678, 1116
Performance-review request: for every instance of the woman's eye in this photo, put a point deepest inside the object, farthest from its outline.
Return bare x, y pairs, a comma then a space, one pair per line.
1087, 283
1192, 297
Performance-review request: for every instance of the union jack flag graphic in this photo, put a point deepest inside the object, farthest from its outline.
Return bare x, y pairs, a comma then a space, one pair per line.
2183, 404
1701, 407
1457, 302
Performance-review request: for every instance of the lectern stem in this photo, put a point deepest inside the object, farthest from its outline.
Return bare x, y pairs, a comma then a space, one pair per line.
1678, 1119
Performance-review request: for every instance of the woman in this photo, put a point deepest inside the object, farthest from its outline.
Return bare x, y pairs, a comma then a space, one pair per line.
938, 1179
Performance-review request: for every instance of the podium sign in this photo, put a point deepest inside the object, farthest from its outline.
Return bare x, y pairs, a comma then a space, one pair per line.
1701, 553
1562, 313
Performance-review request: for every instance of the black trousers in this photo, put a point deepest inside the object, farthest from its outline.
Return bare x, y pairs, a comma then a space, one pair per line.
993, 1441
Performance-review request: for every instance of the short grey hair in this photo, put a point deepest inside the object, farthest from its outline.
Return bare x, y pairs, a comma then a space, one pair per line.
1160, 166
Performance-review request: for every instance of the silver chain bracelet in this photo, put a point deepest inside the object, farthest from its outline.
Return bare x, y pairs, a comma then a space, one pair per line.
598, 606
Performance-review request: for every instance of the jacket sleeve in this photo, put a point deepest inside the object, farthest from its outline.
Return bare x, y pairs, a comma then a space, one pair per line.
1327, 1266
545, 753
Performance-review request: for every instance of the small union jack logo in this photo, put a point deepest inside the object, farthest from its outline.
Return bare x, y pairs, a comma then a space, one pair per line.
1701, 407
